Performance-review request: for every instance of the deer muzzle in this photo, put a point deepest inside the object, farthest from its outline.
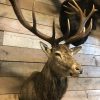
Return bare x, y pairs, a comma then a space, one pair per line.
76, 70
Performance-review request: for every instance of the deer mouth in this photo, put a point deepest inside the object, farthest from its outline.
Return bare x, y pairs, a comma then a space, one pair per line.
74, 75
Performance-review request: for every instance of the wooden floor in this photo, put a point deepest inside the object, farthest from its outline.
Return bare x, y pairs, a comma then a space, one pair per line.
20, 52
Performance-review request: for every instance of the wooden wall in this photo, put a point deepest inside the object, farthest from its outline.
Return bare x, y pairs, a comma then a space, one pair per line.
20, 52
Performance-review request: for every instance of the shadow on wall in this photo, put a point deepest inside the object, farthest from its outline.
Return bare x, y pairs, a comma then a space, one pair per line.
57, 4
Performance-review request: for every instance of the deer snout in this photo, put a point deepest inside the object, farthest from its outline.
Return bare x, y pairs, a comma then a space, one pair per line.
78, 69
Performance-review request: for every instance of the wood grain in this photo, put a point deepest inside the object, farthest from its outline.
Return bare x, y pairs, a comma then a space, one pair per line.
12, 84
21, 54
69, 95
31, 41
1, 37
9, 13
19, 68
97, 60
44, 6
25, 55
25, 69
9, 97
14, 26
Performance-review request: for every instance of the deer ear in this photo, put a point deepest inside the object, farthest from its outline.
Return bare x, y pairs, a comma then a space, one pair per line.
75, 50
45, 48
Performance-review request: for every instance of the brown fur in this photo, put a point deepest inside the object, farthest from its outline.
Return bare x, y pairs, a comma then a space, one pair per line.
51, 82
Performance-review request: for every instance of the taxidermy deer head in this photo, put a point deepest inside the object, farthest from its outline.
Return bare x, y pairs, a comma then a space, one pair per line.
51, 82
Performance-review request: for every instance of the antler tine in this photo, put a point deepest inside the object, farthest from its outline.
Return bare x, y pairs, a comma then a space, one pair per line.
64, 37
22, 20
33, 15
82, 32
92, 11
53, 35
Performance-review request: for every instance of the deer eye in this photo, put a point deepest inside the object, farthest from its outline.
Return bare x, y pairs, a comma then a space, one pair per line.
57, 53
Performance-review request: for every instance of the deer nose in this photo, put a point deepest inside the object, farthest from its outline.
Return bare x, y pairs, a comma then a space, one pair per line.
79, 69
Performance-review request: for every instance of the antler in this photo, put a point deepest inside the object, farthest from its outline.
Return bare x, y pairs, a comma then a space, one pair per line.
33, 29
82, 31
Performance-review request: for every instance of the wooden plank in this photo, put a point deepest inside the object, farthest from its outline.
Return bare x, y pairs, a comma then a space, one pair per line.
70, 95
3, 1
75, 95
24, 54
51, 2
1, 37
47, 9
28, 3
13, 84
10, 84
84, 84
19, 68
12, 26
90, 71
90, 49
93, 39
93, 94
9, 13
9, 97
25, 69
21, 54
15, 26
51, 5
31, 41
85, 59
22, 40
97, 60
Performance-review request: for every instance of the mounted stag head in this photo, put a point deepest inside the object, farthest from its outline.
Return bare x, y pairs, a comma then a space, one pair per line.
51, 82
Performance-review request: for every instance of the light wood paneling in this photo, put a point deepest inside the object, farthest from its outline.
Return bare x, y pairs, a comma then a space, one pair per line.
69, 95
9, 13
47, 6
29, 2
18, 62
97, 60
21, 54
75, 95
25, 69
39, 7
31, 41
12, 25
25, 54
12, 84
19, 68
9, 97
1, 36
